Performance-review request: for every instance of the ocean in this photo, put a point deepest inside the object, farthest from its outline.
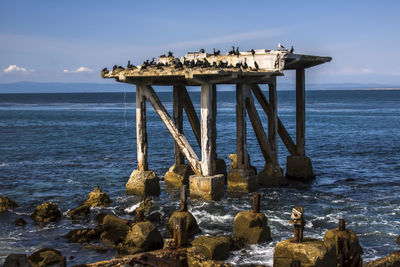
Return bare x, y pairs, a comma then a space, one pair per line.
58, 147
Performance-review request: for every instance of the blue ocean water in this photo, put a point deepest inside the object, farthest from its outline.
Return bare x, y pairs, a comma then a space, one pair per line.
57, 147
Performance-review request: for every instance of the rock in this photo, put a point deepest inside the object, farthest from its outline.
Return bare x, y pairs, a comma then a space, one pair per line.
195, 258
85, 235
242, 180
97, 248
145, 206
178, 175
14, 260
115, 230
207, 187
154, 217
143, 183
46, 212
97, 198
272, 175
311, 252
250, 228
7, 204
213, 247
234, 165
299, 168
20, 222
398, 240
81, 212
392, 260
191, 224
348, 243
45, 257
143, 236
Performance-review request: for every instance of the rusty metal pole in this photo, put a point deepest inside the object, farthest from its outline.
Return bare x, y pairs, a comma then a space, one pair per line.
342, 225
298, 223
183, 198
256, 199
179, 235
63, 261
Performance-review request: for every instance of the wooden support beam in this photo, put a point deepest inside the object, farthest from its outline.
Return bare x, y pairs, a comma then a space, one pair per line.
273, 121
191, 115
300, 112
141, 133
178, 118
214, 124
259, 129
207, 129
283, 133
179, 138
241, 146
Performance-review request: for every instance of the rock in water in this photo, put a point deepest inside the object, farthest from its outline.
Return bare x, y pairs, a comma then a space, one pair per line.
142, 237
250, 228
191, 224
145, 206
143, 183
213, 247
97, 198
45, 257
115, 229
20, 222
398, 240
7, 204
14, 260
178, 175
46, 212
81, 212
392, 260
85, 235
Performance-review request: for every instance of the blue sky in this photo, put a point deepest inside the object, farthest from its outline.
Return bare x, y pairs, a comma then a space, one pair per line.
71, 41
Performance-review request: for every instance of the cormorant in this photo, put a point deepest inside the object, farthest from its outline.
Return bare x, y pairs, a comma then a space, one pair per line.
245, 66
152, 62
291, 49
216, 53
170, 54
232, 52
115, 67
237, 51
202, 50
129, 64
256, 65
253, 52
162, 55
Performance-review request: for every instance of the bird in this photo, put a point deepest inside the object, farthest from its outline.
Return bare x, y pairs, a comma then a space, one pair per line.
291, 49
115, 67
245, 63
152, 62
202, 50
281, 46
232, 52
253, 52
237, 51
256, 65
216, 53
170, 54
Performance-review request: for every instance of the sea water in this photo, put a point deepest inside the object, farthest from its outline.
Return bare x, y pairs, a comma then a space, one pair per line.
58, 147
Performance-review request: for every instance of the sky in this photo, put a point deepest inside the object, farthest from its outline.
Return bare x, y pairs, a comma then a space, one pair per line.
71, 41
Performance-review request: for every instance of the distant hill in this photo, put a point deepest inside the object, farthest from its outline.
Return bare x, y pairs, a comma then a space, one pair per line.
34, 87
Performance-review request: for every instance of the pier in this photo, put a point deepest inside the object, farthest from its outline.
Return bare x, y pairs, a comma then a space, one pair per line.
247, 70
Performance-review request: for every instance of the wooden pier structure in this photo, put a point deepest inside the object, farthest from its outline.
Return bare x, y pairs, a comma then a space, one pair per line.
246, 69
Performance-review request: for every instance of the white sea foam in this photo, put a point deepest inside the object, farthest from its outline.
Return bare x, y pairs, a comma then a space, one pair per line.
132, 208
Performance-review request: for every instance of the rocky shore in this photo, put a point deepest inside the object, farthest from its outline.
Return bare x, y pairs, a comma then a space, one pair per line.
139, 242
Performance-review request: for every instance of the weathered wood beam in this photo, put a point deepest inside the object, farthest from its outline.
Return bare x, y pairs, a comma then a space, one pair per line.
273, 121
191, 115
283, 133
207, 129
214, 124
259, 129
141, 133
300, 112
241, 146
179, 138
178, 118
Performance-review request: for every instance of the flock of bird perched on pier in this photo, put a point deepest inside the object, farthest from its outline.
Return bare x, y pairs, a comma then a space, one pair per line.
195, 63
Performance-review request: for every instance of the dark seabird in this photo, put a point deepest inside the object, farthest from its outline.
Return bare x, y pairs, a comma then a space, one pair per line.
253, 52
256, 65
202, 50
291, 49
232, 52
115, 67
152, 62
245, 66
237, 51
170, 54
216, 53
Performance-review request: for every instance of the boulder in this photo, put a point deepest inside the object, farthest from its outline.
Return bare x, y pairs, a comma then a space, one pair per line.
242, 181
142, 237
195, 258
81, 212
143, 183
14, 260
20, 222
310, 252
145, 206
97, 198
250, 228
299, 168
85, 235
191, 224
392, 260
46, 212
178, 175
398, 240
347, 243
213, 247
7, 204
45, 257
272, 175
114, 230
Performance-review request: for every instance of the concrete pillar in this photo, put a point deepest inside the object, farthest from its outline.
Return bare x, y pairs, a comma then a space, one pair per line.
299, 166
142, 181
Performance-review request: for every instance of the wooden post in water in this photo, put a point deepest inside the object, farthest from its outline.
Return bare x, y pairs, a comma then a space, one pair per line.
178, 118
273, 121
241, 146
300, 112
141, 133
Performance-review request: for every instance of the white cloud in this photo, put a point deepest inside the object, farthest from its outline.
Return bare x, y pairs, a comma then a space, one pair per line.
348, 70
15, 68
79, 70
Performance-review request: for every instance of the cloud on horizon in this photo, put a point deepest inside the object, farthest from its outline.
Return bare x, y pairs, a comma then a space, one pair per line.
79, 70
15, 68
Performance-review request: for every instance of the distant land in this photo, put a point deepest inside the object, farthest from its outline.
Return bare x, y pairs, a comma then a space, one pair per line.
35, 87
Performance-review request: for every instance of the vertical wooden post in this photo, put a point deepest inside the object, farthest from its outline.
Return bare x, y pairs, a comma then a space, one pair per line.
242, 157
141, 133
300, 112
178, 118
191, 115
207, 129
214, 122
273, 121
